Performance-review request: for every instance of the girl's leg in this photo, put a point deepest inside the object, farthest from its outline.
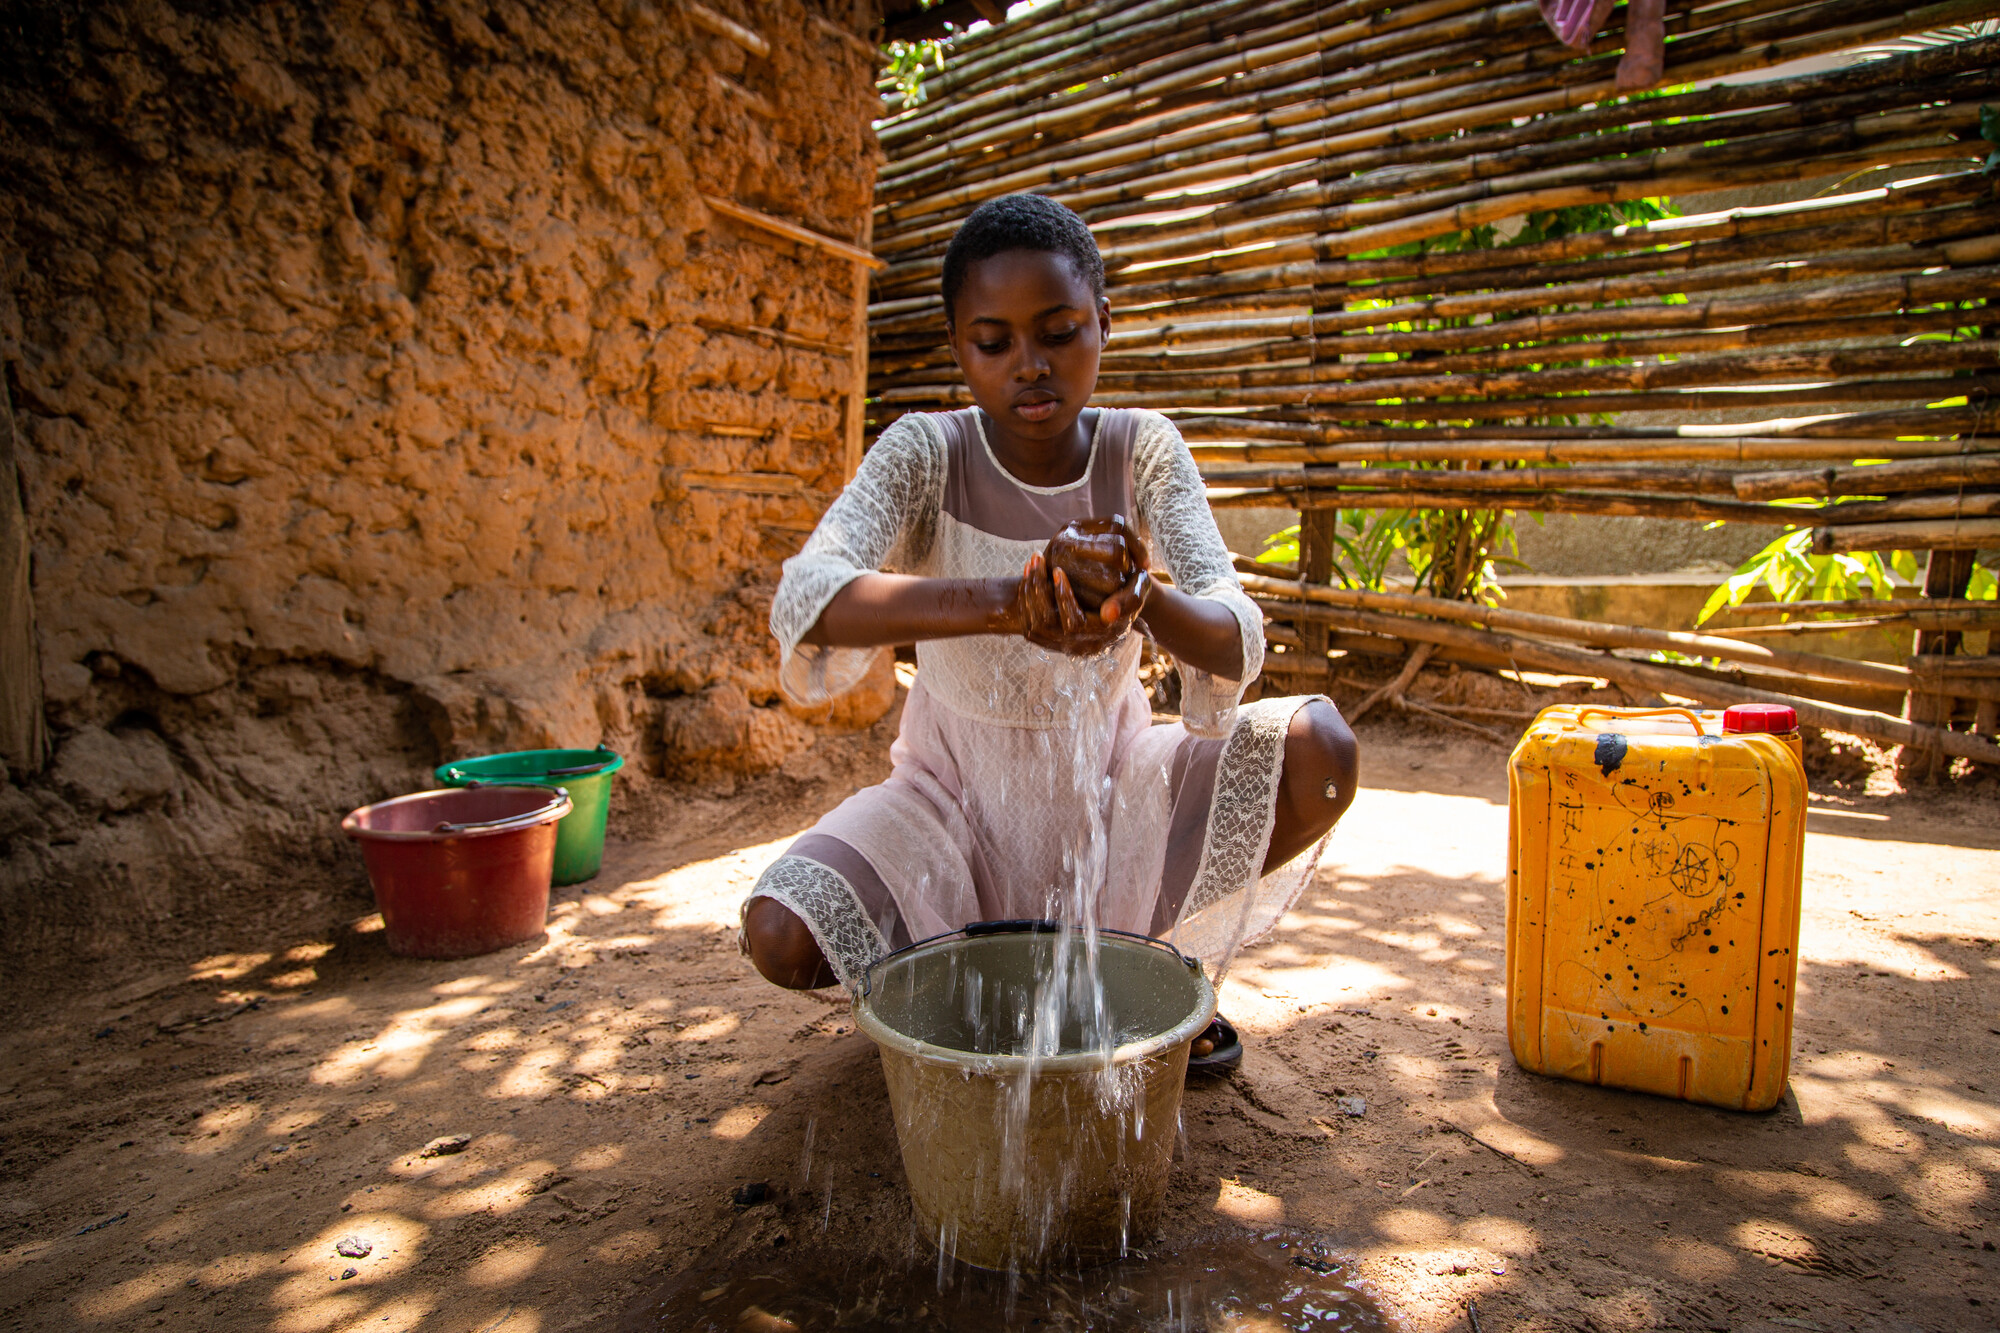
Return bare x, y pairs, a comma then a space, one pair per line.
1317, 783
782, 948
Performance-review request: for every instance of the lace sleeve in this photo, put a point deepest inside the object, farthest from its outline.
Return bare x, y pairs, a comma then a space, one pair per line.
886, 515
1174, 507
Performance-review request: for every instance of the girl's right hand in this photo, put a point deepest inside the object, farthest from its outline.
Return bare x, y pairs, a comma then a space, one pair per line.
1050, 616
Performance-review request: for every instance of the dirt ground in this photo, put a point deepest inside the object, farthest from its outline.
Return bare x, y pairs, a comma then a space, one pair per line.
189, 1148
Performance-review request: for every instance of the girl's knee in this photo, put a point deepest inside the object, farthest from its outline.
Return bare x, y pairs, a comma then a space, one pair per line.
1320, 751
782, 947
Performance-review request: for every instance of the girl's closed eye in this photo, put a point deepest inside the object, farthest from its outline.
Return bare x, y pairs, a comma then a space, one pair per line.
992, 349
1061, 336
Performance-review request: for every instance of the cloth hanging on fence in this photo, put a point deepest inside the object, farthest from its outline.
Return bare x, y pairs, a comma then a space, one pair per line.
1575, 22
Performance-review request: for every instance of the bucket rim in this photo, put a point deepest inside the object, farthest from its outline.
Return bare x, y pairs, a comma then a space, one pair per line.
457, 773
893, 1039
557, 805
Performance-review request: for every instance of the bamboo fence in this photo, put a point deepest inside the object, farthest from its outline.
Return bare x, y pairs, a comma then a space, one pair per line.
1290, 197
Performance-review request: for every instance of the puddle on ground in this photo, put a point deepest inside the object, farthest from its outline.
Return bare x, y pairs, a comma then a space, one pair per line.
1225, 1283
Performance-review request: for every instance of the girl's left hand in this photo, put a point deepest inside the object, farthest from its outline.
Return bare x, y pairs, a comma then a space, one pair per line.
1057, 622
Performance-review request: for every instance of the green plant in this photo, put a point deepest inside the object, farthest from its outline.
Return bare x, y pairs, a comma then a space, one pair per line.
1451, 553
905, 65
1793, 573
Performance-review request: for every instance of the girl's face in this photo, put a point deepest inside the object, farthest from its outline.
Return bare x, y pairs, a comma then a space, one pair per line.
1028, 333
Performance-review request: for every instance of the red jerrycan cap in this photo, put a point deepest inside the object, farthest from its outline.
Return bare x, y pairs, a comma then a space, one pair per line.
1774, 718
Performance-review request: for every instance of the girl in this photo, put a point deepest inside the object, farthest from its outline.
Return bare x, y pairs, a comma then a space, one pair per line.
1028, 769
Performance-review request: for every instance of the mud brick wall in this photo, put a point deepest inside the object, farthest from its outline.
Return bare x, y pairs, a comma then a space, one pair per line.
386, 392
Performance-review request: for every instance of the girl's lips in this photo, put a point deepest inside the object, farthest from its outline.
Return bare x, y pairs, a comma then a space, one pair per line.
1039, 409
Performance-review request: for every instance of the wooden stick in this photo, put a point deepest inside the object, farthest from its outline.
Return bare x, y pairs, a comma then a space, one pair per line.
1986, 617
791, 231
1866, 430
1955, 506
722, 26
1869, 479
853, 43
1661, 679
1009, 124
1394, 689
845, 351
1864, 605
1959, 534
1665, 480
755, 102
1589, 632
1662, 450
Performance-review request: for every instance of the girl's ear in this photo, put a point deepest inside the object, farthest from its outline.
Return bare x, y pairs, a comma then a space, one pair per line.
1103, 320
951, 343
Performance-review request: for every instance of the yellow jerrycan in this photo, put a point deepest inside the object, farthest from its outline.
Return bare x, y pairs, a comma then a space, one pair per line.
1653, 879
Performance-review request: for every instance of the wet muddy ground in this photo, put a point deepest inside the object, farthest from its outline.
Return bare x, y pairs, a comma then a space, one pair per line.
271, 1138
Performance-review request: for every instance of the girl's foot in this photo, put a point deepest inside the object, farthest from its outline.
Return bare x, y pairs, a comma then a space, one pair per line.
1217, 1049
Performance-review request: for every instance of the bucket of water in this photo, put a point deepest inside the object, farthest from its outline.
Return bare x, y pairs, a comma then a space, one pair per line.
1036, 1126
584, 774
463, 871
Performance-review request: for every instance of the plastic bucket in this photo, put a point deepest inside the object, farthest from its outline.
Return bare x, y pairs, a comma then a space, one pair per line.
584, 774
462, 871
1013, 1162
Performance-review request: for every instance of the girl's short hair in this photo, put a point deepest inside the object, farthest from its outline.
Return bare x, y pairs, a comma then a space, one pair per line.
1020, 222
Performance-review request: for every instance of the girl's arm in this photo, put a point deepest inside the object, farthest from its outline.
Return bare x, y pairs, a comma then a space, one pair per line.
877, 610
1207, 605
874, 610
1196, 630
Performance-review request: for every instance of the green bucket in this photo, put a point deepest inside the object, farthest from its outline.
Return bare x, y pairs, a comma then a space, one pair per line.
584, 774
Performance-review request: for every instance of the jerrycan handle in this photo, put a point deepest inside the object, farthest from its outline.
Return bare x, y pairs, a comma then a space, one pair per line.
1687, 713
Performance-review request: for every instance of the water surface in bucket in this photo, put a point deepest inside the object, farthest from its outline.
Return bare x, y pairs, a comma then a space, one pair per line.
987, 997
1225, 1283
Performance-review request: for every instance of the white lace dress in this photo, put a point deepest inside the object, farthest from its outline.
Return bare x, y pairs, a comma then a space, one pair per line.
1027, 783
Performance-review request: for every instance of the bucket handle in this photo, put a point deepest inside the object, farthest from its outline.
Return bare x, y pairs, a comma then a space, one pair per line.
1687, 713
1013, 926
591, 767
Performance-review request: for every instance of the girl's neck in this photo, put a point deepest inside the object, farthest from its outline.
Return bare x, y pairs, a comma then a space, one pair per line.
1059, 461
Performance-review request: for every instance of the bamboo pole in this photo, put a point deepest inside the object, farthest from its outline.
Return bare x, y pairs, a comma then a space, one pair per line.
1668, 449
1404, 121
1953, 534
1891, 215
1729, 50
1364, 140
1977, 505
1869, 479
1307, 257
1866, 430
1678, 480
1732, 369
1588, 632
1691, 401
1864, 606
1228, 57
1657, 678
1986, 617
1383, 161
1600, 503
1139, 369
1291, 86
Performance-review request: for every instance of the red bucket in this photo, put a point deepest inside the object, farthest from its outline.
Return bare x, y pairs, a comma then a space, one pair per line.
463, 871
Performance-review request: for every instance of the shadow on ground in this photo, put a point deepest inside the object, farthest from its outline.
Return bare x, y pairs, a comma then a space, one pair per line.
196, 1147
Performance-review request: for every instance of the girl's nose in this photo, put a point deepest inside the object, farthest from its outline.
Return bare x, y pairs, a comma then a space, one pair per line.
1033, 365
